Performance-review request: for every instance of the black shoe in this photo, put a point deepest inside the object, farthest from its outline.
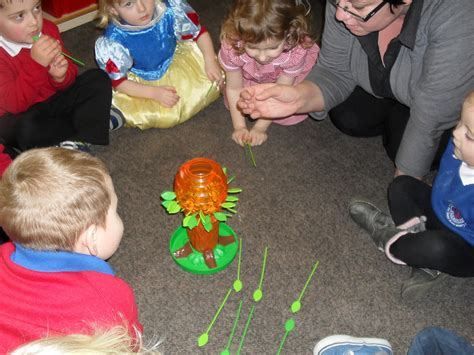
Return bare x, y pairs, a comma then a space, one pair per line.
379, 225
419, 284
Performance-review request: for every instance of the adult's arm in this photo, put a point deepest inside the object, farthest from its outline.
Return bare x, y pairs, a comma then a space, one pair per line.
332, 73
446, 78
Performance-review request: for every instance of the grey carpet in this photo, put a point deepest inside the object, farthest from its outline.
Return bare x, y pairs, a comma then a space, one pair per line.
295, 203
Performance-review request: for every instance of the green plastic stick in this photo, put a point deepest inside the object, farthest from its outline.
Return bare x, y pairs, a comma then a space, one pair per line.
296, 305
238, 283
204, 337
258, 294
289, 326
252, 158
234, 327
75, 60
244, 333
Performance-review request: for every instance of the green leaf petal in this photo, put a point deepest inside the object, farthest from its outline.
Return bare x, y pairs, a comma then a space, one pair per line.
228, 205
174, 207
221, 217
168, 195
234, 190
229, 180
206, 219
207, 226
232, 199
230, 210
165, 204
224, 169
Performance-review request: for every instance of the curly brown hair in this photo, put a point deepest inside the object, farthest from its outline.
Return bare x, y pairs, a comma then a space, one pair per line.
255, 21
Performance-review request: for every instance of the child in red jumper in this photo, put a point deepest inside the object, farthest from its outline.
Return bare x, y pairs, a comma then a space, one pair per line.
42, 102
59, 209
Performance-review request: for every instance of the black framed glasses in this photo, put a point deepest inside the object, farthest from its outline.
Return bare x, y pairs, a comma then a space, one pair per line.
356, 16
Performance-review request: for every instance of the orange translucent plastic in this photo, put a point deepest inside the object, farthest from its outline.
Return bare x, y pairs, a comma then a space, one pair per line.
200, 185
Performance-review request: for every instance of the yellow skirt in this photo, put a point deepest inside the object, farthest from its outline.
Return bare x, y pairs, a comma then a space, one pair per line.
186, 73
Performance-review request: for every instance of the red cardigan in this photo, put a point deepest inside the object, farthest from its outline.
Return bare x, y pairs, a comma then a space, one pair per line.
24, 82
34, 304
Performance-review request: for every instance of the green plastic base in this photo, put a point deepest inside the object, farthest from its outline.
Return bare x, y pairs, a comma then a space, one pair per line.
194, 262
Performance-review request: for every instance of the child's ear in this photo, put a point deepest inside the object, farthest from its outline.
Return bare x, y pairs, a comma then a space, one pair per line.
112, 11
87, 242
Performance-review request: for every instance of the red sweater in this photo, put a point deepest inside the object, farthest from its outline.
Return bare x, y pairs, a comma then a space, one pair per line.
34, 304
24, 82
5, 160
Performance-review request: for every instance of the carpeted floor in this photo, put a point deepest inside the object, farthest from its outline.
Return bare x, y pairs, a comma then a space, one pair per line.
295, 203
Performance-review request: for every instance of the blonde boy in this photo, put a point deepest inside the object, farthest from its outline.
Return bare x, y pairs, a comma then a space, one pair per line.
59, 209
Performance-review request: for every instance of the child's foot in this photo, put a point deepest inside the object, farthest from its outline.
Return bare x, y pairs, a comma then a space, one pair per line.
420, 283
117, 120
345, 344
73, 145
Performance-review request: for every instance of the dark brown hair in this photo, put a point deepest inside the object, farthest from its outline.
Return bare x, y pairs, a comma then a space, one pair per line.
254, 21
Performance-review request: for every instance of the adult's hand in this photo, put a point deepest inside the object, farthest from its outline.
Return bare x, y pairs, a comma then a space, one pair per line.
270, 100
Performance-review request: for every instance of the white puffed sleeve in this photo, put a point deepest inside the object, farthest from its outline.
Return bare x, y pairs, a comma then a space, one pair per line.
113, 58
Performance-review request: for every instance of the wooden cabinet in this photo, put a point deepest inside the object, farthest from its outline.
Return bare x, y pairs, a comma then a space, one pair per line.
68, 14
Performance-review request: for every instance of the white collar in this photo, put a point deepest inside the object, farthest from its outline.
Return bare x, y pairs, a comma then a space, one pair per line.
466, 173
12, 48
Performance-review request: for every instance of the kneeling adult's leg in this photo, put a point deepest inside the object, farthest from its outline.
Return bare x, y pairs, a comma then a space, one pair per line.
362, 114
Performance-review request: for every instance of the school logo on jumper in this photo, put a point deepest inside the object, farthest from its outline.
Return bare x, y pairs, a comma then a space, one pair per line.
454, 216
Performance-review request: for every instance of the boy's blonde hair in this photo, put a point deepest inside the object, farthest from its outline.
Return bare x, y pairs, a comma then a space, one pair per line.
255, 21
106, 342
50, 196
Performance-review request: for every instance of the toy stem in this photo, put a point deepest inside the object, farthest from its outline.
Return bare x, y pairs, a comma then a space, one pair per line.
219, 310
263, 267
234, 327
75, 60
282, 342
309, 279
244, 333
252, 158
240, 256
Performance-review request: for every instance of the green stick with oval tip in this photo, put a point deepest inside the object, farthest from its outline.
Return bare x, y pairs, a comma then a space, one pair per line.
258, 294
296, 305
247, 324
238, 283
75, 60
289, 326
204, 337
226, 351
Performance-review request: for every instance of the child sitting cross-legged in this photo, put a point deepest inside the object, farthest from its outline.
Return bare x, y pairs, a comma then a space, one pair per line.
43, 102
59, 209
430, 229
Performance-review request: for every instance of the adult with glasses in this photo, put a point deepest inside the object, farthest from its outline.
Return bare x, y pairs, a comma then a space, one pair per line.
391, 67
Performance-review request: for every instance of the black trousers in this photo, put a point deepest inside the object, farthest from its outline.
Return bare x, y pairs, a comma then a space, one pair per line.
80, 113
438, 247
363, 115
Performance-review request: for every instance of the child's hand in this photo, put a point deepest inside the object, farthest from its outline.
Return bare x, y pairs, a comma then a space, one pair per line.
45, 50
214, 72
258, 136
58, 68
165, 95
241, 136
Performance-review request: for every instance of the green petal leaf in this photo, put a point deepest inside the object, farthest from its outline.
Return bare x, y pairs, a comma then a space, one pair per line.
234, 190
221, 217
224, 169
228, 205
230, 210
207, 226
173, 207
168, 195
232, 199
165, 204
229, 180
